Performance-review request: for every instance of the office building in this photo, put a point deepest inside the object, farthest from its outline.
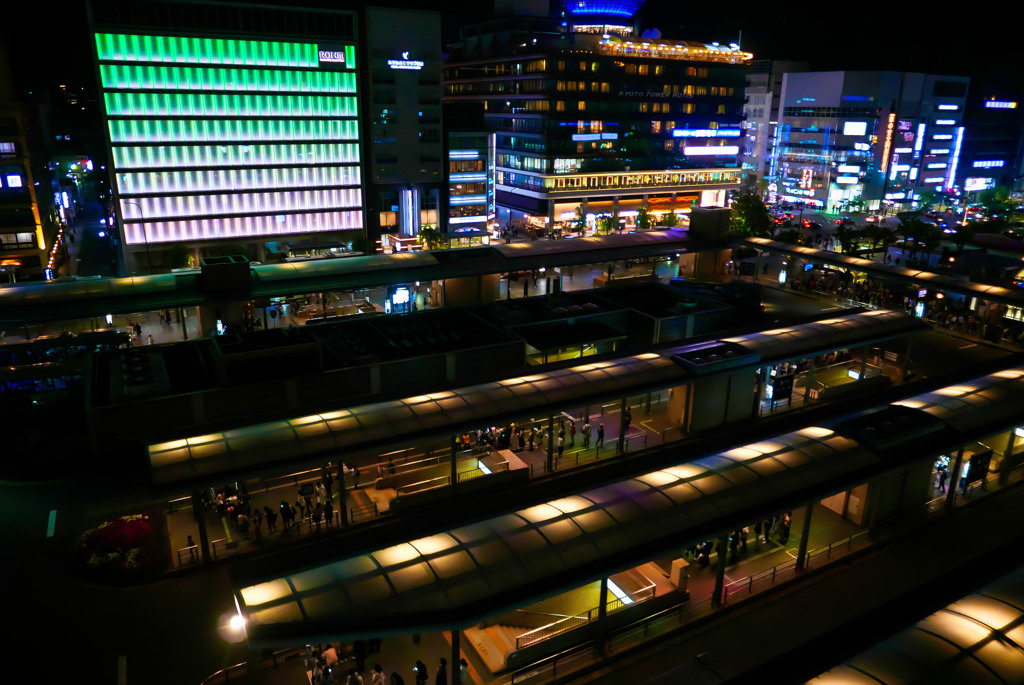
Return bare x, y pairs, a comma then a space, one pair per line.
404, 141
227, 137
993, 125
30, 233
760, 117
851, 140
470, 174
590, 113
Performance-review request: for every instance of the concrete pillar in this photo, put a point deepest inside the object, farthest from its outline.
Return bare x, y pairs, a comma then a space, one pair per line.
805, 534
810, 382
551, 442
906, 361
622, 426
602, 616
453, 668
615, 207
723, 554
455, 453
551, 215
184, 327
1004, 466
204, 538
342, 498
954, 479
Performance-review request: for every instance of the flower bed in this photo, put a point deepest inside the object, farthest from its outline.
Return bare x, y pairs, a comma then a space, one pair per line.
126, 548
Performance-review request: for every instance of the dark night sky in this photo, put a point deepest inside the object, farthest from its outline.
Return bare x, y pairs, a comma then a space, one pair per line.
53, 48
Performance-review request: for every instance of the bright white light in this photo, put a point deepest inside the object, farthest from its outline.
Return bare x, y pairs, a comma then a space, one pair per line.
855, 128
237, 622
617, 591
13, 181
708, 151
949, 108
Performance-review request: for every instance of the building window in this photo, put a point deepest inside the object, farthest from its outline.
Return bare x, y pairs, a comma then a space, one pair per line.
630, 68
644, 69
669, 145
581, 105
560, 106
655, 127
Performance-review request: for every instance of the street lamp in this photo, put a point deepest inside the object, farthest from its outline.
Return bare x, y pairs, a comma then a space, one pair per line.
145, 235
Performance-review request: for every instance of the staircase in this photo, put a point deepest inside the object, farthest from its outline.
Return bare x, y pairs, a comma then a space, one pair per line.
493, 643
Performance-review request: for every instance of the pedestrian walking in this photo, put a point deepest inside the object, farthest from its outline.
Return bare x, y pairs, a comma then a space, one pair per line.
561, 446
302, 508
317, 513
943, 475
243, 525
191, 548
586, 433
421, 673
441, 678
328, 513
600, 434
377, 677
150, 339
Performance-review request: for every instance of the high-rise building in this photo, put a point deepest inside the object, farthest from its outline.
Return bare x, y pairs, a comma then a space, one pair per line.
470, 175
855, 139
590, 113
232, 128
29, 240
993, 123
760, 117
404, 144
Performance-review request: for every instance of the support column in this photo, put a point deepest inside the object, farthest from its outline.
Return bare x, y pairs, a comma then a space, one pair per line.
551, 442
954, 479
455, 669
622, 426
455, 452
723, 554
906, 362
759, 396
1004, 466
204, 538
342, 497
615, 208
602, 615
184, 328
801, 554
810, 382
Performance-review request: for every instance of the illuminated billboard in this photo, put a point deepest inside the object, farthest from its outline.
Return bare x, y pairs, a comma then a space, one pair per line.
216, 138
855, 128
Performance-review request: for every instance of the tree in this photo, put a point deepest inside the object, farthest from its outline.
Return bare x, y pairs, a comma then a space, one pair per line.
579, 224
926, 199
643, 219
606, 223
996, 201
792, 236
670, 220
911, 228
847, 236
963, 234
431, 238
878, 234
750, 218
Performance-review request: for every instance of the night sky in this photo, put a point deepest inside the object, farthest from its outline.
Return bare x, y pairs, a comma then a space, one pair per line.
979, 42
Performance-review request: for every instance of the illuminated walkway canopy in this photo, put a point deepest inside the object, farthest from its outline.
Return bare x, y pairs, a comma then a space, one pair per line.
383, 423
85, 297
461, 575
917, 277
978, 639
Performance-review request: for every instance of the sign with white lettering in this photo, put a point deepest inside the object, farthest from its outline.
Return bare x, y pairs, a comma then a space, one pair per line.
335, 56
405, 63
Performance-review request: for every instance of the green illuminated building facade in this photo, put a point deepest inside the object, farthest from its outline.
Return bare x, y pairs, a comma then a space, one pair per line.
230, 143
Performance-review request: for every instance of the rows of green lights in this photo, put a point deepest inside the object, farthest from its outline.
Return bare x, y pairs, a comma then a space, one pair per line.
135, 77
162, 157
128, 48
216, 130
236, 179
184, 206
235, 105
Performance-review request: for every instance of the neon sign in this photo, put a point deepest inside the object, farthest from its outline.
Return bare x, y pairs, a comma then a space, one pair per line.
336, 56
888, 142
405, 63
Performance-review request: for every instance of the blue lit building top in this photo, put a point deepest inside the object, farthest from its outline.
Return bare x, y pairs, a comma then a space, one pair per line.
587, 9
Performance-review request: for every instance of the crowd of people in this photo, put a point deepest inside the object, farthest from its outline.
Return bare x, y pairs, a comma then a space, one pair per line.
339, 664
765, 530
535, 436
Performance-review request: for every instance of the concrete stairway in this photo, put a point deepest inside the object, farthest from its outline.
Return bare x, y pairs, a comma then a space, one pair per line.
493, 643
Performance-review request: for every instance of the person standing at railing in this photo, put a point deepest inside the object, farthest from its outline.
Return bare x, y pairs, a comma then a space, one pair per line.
600, 434
586, 432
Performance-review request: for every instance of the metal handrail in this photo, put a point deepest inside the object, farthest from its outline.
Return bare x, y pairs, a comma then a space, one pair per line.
366, 511
552, 629
429, 484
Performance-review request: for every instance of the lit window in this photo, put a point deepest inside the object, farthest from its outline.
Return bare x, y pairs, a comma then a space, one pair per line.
13, 181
